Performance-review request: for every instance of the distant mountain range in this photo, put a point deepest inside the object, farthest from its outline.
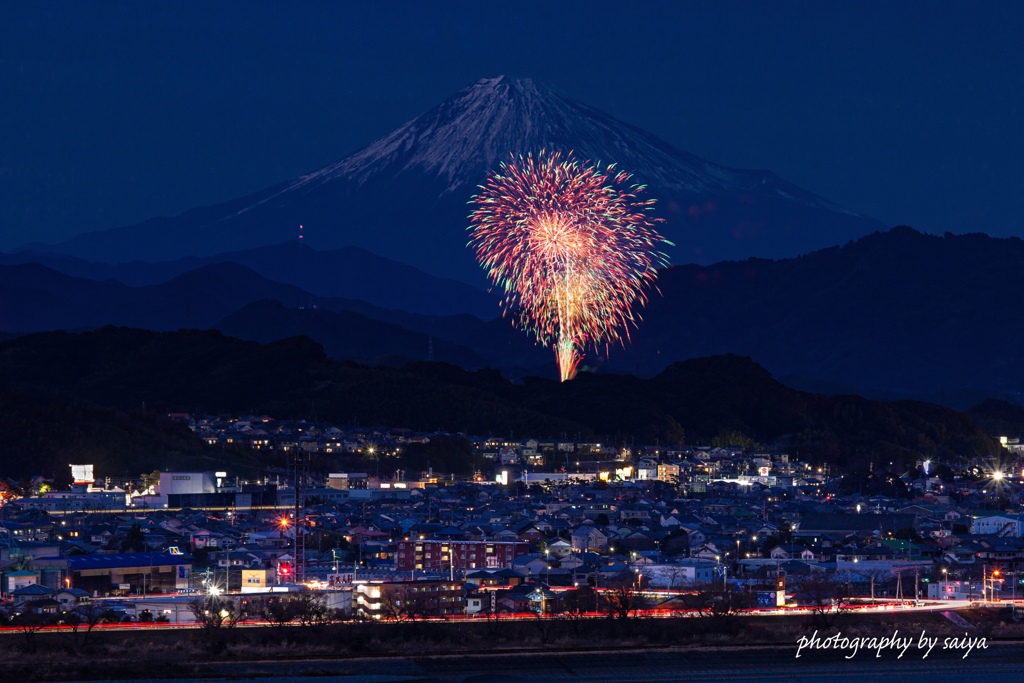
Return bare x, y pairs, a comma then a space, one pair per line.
406, 194
893, 315
232, 297
347, 272
900, 310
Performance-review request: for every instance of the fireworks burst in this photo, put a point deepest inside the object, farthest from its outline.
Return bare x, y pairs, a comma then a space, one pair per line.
572, 246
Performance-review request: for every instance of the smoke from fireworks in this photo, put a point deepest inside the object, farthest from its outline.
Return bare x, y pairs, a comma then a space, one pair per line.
572, 246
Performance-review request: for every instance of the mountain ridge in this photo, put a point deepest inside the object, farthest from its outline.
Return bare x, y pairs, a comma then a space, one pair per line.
346, 272
405, 194
901, 312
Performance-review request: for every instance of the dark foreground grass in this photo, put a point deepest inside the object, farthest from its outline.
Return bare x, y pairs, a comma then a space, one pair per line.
253, 651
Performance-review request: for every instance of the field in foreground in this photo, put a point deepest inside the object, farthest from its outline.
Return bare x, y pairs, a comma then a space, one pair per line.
646, 649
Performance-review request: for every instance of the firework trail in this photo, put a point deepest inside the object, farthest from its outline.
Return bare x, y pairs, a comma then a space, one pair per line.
571, 245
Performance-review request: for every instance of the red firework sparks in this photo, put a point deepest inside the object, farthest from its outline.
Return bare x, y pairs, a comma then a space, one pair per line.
571, 244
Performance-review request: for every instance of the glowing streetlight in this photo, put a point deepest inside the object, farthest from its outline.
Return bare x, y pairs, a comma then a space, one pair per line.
997, 475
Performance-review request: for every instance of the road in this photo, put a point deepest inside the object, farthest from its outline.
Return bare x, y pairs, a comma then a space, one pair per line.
894, 607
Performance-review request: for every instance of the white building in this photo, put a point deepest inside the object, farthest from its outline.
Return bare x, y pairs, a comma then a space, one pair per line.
1001, 525
686, 573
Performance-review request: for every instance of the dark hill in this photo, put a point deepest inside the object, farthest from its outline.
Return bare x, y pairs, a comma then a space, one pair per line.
893, 315
899, 310
724, 397
999, 418
348, 273
344, 335
961, 398
35, 298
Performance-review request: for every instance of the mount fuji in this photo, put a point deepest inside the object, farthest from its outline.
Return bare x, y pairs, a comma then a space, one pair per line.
405, 196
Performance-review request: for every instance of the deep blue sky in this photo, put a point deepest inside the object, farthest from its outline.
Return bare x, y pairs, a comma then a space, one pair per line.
113, 113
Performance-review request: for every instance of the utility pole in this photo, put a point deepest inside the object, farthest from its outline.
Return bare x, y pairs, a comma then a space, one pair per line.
299, 542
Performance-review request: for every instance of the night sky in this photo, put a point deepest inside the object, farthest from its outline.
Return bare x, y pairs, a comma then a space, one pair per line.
113, 113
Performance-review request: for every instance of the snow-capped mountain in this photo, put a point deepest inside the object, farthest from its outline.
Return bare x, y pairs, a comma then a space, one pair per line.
405, 195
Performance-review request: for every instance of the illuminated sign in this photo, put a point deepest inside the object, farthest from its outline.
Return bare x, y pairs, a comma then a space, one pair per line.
343, 580
82, 474
254, 578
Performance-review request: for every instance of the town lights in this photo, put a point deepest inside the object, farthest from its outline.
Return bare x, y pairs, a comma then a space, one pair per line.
997, 475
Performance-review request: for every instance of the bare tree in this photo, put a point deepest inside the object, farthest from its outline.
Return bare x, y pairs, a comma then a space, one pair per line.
493, 620
276, 611
213, 614
81, 621
417, 606
709, 600
311, 609
574, 608
828, 596
393, 607
544, 624
675, 576
30, 622
624, 602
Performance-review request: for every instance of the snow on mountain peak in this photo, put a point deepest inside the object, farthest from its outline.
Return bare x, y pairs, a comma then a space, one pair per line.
406, 193
462, 138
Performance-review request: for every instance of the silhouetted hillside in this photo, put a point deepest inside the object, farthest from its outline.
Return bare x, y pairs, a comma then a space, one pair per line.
348, 272
723, 397
37, 298
895, 314
958, 399
999, 418
899, 311
343, 334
